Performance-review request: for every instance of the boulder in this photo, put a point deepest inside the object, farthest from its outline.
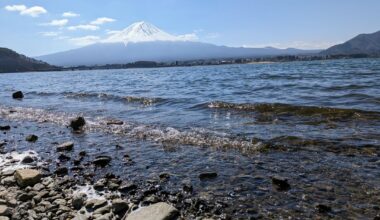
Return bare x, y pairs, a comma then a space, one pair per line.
31, 138
77, 123
18, 95
67, 146
102, 160
158, 211
120, 206
27, 177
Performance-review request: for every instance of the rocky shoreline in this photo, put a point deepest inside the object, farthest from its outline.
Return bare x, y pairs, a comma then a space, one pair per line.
29, 190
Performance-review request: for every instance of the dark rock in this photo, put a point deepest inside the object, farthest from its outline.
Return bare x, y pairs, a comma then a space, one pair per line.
18, 95
31, 138
115, 122
61, 171
120, 206
82, 153
67, 146
208, 175
280, 183
187, 187
127, 187
27, 159
5, 128
323, 208
102, 160
63, 157
77, 123
78, 200
164, 176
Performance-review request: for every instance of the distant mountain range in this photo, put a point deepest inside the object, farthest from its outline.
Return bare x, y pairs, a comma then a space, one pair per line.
10, 61
144, 41
368, 44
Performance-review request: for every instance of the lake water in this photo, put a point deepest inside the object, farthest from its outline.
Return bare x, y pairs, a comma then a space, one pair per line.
315, 123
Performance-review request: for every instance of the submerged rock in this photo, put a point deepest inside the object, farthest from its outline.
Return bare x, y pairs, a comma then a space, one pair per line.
115, 122
5, 128
27, 177
102, 160
31, 138
18, 95
208, 175
67, 146
323, 208
158, 211
77, 123
280, 184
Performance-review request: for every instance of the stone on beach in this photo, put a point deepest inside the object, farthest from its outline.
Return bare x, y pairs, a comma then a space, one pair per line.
27, 177
158, 211
27, 159
67, 146
18, 95
77, 123
4, 210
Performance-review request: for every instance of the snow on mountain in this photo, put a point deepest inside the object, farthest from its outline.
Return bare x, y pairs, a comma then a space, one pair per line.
145, 32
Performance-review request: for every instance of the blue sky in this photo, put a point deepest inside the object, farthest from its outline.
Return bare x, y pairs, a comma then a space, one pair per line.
39, 27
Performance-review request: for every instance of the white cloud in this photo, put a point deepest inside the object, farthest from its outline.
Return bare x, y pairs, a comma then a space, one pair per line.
70, 14
87, 27
102, 20
34, 11
50, 34
15, 8
86, 40
59, 23
212, 35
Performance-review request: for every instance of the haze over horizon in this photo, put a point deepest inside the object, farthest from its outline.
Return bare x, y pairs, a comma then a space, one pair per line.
43, 27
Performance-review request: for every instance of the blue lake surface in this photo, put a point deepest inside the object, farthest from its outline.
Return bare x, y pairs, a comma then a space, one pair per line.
315, 123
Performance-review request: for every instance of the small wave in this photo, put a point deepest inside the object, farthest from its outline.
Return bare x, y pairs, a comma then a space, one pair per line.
103, 97
279, 109
12, 161
165, 135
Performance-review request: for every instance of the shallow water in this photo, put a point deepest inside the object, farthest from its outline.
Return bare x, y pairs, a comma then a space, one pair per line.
315, 123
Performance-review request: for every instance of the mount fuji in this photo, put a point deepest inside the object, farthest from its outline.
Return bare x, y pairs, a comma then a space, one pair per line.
143, 41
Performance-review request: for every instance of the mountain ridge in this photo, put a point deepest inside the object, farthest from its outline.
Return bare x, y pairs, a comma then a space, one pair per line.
361, 44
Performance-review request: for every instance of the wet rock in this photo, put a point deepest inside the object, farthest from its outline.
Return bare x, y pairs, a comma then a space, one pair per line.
27, 177
82, 153
61, 171
95, 203
208, 175
119, 206
77, 123
102, 161
5, 128
78, 200
31, 138
280, 184
27, 159
187, 187
18, 95
127, 187
63, 157
158, 211
164, 176
100, 184
67, 146
102, 210
115, 122
323, 208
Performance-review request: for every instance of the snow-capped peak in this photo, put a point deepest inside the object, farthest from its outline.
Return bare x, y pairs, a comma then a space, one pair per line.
144, 32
